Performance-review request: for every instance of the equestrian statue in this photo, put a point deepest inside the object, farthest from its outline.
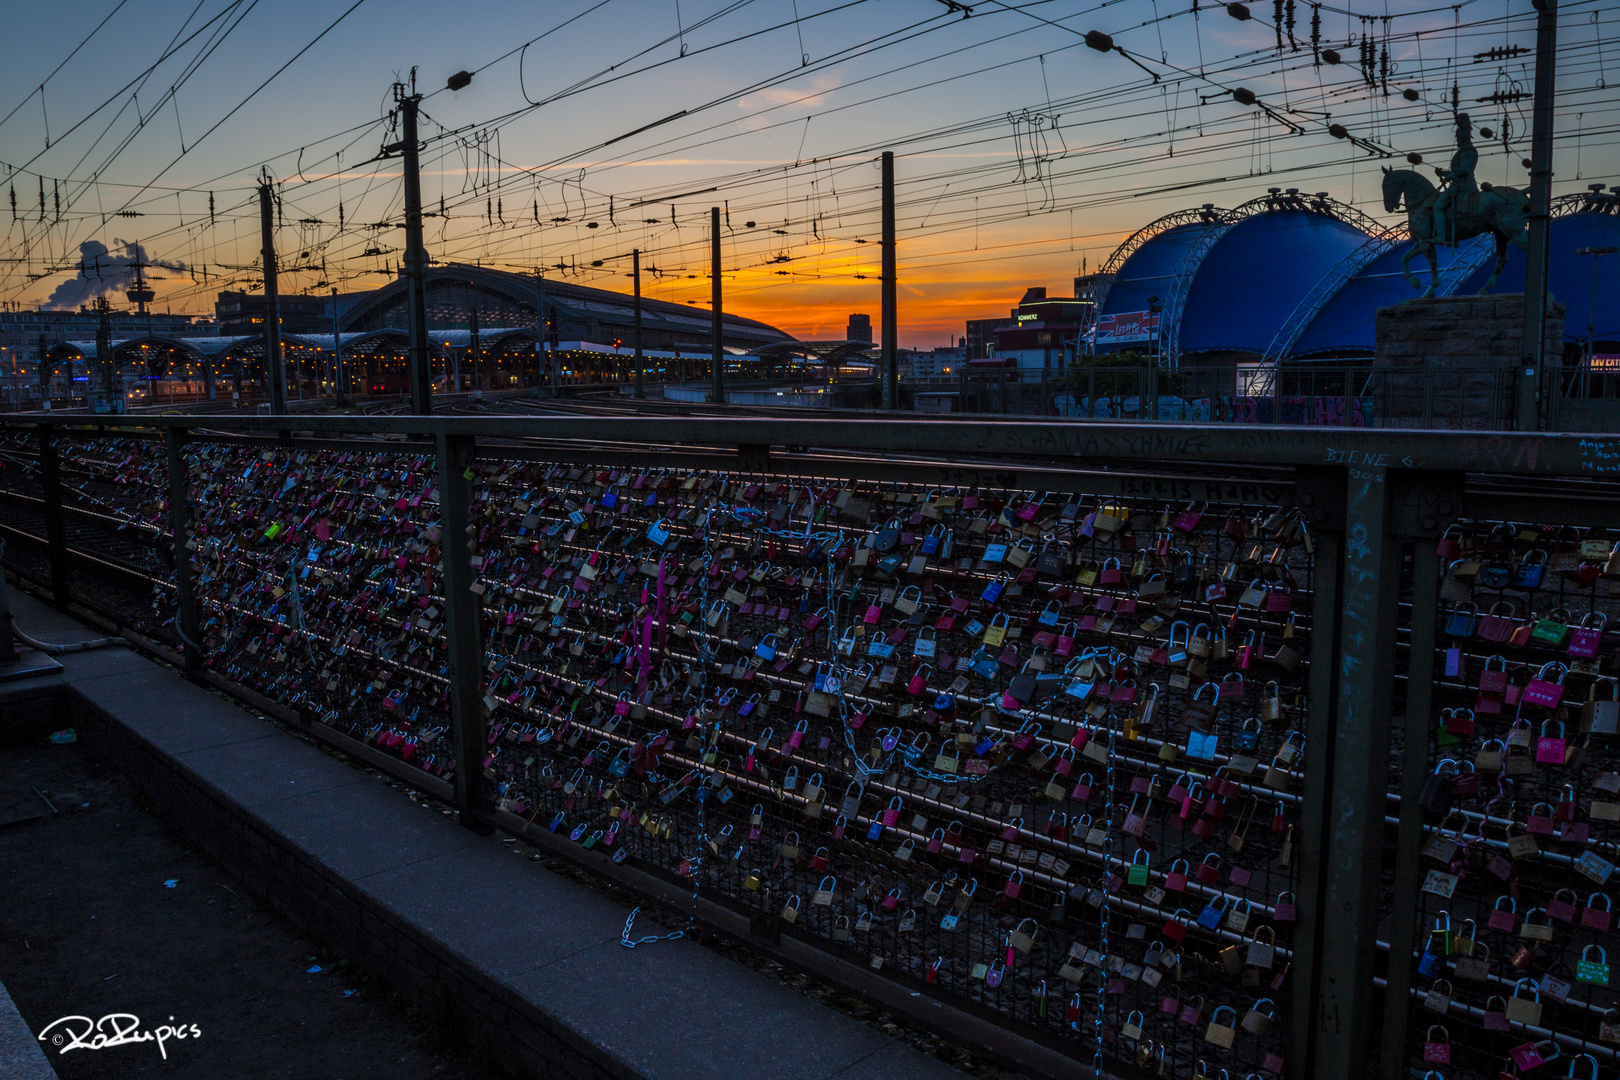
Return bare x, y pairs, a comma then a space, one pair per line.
1459, 210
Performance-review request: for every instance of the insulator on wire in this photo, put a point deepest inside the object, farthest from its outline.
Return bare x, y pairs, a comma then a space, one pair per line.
1293, 42
1316, 33
1277, 21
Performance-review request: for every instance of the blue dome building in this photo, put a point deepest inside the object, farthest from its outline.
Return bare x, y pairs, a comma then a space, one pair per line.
1294, 277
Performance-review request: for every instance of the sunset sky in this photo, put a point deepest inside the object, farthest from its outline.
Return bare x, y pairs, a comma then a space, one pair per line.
1020, 150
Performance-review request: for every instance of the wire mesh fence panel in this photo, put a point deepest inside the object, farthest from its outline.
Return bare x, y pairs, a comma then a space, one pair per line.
1521, 806
1035, 753
112, 503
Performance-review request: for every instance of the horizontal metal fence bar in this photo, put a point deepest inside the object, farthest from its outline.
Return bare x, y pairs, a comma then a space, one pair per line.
1505, 452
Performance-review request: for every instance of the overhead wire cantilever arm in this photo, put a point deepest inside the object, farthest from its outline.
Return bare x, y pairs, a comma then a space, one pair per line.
1121, 50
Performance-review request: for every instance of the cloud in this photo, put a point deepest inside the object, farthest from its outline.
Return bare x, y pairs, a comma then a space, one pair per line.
771, 98
102, 272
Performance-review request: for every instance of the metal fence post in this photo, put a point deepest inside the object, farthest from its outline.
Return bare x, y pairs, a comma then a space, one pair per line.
463, 628
1321, 503
186, 611
55, 531
1347, 745
1424, 505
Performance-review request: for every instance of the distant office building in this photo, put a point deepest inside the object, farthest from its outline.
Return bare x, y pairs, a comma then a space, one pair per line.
859, 329
240, 313
1041, 333
1087, 287
938, 363
981, 336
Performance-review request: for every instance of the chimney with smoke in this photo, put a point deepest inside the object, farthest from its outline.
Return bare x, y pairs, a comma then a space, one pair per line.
101, 272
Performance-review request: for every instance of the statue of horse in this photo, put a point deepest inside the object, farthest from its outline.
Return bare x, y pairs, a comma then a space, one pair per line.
1504, 212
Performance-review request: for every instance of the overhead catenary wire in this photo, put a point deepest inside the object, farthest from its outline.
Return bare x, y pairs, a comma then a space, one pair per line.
491, 240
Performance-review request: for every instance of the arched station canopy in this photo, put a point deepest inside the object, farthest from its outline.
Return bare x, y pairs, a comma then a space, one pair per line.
820, 352
506, 299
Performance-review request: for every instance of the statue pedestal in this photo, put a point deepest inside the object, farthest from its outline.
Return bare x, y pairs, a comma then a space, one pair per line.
1453, 361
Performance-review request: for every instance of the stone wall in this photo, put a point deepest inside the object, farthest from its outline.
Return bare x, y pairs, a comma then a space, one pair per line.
1460, 360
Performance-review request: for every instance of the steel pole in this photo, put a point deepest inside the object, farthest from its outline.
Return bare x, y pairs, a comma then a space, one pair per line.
340, 385
1532, 365
545, 341
717, 355
104, 359
419, 369
641, 362
891, 332
275, 374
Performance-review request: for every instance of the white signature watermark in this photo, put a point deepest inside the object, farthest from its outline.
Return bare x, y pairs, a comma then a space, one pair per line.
114, 1029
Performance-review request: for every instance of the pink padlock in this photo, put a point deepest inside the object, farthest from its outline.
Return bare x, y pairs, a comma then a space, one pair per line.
1550, 749
1534, 1055
1585, 640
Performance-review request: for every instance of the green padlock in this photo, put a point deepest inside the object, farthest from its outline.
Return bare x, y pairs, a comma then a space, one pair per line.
1552, 631
1593, 972
1137, 872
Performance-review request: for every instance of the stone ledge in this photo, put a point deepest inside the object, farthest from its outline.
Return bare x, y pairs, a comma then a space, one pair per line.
21, 1056
529, 962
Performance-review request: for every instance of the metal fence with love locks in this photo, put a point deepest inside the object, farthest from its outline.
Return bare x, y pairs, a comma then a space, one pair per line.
1066, 743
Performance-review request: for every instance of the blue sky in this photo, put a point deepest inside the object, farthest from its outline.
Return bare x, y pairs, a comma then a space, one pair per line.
1021, 151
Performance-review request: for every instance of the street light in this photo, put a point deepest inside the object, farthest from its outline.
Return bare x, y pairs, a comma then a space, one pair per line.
1591, 314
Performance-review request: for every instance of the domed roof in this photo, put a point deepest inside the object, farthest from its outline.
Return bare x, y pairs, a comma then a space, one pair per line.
1344, 323
1224, 280
1255, 275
